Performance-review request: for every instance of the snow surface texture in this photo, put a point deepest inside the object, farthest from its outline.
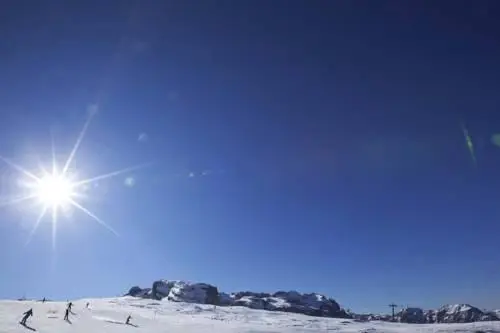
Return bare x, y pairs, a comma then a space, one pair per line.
203, 293
109, 315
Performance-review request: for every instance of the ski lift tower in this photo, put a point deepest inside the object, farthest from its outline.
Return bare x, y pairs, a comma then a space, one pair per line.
393, 306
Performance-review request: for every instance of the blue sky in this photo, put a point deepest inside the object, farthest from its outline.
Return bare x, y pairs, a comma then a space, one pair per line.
314, 146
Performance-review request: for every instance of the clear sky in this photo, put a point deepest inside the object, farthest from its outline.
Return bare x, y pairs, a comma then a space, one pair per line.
308, 145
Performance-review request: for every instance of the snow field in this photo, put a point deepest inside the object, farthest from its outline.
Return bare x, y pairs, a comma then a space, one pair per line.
109, 315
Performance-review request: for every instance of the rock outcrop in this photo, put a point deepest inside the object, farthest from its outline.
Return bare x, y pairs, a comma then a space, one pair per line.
181, 291
458, 313
138, 292
312, 304
412, 316
290, 301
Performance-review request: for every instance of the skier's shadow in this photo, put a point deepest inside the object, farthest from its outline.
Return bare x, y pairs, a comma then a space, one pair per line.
120, 323
28, 327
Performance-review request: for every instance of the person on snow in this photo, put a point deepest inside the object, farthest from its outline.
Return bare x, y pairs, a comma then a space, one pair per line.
128, 320
43, 300
66, 314
88, 305
70, 304
27, 314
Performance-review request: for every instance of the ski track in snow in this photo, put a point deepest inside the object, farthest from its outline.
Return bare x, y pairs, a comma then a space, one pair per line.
109, 315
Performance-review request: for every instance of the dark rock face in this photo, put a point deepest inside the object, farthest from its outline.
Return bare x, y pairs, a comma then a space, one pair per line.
134, 291
212, 294
412, 316
241, 294
179, 291
154, 291
430, 316
138, 292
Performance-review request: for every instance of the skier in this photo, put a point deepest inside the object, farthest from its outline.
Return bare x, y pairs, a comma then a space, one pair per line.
43, 300
128, 320
27, 314
88, 305
70, 304
66, 314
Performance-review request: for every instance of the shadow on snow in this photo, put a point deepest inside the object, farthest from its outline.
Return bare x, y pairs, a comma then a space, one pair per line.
28, 327
119, 323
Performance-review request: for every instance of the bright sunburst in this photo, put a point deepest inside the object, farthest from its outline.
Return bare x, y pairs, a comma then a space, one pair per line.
54, 190
58, 189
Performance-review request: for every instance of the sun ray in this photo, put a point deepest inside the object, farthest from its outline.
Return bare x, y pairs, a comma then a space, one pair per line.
19, 168
35, 226
54, 228
89, 213
111, 174
53, 150
41, 167
77, 144
17, 200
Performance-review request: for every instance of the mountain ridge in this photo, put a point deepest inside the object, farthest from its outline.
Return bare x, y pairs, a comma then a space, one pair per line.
313, 304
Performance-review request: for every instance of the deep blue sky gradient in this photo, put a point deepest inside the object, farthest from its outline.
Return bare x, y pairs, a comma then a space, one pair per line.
309, 145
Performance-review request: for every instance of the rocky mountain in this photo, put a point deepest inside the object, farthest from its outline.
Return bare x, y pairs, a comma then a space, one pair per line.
312, 304
288, 301
456, 313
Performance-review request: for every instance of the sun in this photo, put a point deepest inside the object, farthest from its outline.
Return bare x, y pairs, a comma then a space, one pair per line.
58, 190
55, 190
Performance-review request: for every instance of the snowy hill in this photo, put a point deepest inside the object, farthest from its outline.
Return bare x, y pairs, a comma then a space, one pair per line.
108, 316
312, 304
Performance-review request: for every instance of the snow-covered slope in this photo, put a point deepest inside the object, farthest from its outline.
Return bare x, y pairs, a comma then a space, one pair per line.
108, 316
